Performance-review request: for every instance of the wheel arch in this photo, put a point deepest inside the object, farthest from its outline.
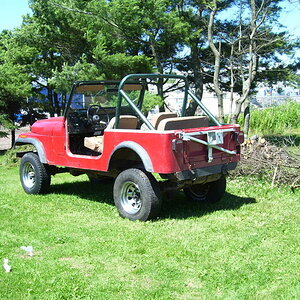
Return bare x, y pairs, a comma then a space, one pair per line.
131, 148
37, 144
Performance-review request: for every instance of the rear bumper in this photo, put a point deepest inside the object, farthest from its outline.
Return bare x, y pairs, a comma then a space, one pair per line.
201, 172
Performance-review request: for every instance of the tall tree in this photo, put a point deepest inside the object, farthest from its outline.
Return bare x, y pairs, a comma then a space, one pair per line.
152, 28
73, 39
14, 79
249, 47
88, 39
217, 59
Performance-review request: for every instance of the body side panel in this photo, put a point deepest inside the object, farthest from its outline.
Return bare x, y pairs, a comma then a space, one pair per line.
155, 148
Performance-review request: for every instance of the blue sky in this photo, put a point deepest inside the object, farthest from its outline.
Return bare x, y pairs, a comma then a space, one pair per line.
11, 12
290, 16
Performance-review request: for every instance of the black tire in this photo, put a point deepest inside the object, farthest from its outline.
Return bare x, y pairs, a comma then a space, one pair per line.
209, 192
137, 195
34, 175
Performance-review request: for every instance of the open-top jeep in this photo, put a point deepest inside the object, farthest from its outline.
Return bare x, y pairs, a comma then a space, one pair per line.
104, 133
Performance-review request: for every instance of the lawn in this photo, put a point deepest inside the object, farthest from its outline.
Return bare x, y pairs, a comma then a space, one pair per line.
245, 247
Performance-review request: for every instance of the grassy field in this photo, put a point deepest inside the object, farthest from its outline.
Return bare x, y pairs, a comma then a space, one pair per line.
245, 247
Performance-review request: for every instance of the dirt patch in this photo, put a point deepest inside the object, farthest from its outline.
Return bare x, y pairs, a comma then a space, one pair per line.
5, 142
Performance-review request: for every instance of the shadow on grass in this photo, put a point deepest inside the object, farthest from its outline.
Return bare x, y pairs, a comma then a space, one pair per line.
2, 152
174, 206
99, 192
181, 208
283, 140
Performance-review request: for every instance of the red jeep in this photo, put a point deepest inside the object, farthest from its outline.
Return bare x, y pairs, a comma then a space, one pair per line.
105, 133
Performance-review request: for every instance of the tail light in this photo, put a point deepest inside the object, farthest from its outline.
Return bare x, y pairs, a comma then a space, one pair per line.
239, 137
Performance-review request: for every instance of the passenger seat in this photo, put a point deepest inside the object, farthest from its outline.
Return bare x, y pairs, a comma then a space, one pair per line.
95, 143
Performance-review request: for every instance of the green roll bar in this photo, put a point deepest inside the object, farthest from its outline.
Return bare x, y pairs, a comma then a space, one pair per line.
121, 93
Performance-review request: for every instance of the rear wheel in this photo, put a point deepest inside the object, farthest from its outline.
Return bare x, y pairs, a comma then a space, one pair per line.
34, 175
208, 192
137, 195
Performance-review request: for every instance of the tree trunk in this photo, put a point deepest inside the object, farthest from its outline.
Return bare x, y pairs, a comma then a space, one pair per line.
217, 55
232, 83
50, 101
160, 69
198, 79
13, 137
247, 119
238, 108
56, 104
248, 75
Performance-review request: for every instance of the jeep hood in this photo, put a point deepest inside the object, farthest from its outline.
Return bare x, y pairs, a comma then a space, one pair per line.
46, 126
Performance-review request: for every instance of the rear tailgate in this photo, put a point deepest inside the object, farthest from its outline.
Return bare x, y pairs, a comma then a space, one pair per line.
211, 145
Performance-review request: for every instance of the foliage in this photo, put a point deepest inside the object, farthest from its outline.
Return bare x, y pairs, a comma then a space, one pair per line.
119, 65
82, 70
150, 101
5, 123
241, 248
14, 79
247, 50
66, 46
281, 119
10, 159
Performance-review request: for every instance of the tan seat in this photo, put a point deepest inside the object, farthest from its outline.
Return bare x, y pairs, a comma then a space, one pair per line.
183, 123
157, 118
95, 143
125, 122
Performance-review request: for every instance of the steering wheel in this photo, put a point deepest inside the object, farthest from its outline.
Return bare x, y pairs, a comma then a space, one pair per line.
96, 118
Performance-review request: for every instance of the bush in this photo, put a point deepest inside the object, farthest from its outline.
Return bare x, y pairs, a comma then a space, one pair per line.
9, 157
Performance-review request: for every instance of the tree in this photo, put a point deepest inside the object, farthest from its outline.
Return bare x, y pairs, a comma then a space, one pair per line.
248, 50
72, 40
217, 57
57, 41
74, 44
14, 79
151, 28
194, 14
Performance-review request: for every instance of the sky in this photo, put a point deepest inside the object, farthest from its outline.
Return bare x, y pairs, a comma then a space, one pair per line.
11, 12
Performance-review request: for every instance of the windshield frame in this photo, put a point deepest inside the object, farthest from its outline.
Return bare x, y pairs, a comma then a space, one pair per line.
105, 83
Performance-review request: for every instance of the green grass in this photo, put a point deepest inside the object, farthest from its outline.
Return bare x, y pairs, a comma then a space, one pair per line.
245, 247
282, 119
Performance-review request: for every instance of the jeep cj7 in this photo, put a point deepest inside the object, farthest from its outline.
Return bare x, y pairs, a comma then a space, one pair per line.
105, 133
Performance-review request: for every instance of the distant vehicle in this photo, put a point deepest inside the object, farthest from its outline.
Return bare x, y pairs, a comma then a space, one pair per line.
104, 133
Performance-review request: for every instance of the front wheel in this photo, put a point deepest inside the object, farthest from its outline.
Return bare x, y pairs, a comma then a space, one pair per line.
34, 175
137, 195
209, 192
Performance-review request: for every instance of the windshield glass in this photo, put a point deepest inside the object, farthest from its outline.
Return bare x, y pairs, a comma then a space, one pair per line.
102, 94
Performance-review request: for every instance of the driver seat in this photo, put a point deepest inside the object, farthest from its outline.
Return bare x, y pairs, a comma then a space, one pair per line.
95, 143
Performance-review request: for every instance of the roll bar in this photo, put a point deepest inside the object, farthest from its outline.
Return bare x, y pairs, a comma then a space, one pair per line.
187, 92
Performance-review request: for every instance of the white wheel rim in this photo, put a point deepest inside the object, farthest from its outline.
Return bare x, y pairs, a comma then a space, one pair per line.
28, 175
131, 197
